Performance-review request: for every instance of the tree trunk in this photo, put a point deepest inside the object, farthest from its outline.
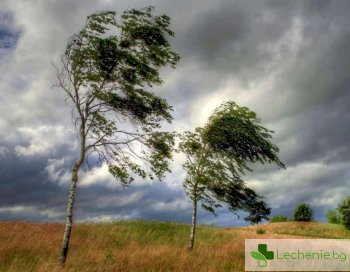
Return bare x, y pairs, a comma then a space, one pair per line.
194, 220
69, 218
71, 198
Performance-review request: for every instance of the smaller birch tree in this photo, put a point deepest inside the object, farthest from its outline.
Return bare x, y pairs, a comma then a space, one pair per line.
218, 154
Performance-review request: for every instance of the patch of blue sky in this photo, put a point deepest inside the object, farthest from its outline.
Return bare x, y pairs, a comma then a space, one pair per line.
9, 32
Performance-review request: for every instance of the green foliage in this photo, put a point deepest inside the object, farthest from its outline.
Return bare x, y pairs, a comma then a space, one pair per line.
303, 212
258, 210
161, 144
344, 212
333, 217
279, 218
107, 71
215, 162
235, 132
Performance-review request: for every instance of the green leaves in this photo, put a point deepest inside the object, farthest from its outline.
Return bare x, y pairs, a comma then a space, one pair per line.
235, 132
120, 173
108, 69
98, 22
108, 55
303, 212
219, 153
161, 144
258, 210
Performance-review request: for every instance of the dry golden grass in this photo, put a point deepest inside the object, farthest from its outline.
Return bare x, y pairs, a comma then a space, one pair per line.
140, 246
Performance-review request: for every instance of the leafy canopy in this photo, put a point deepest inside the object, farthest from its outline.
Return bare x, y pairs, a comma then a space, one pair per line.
258, 211
108, 69
218, 154
235, 132
303, 212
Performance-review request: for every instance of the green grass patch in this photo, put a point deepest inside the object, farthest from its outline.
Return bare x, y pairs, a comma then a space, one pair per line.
317, 230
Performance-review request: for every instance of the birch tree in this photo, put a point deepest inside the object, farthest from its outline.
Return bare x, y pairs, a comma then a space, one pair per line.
217, 156
107, 72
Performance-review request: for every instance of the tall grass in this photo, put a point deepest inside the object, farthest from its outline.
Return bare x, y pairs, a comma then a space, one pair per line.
123, 246
138, 246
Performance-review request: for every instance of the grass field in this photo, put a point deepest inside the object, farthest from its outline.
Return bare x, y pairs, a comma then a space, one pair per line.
141, 246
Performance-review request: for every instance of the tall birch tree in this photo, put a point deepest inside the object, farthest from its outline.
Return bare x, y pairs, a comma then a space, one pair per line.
107, 72
218, 154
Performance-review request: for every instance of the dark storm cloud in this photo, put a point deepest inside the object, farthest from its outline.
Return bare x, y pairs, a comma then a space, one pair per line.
9, 32
39, 198
321, 133
230, 38
25, 186
314, 90
25, 180
157, 201
133, 199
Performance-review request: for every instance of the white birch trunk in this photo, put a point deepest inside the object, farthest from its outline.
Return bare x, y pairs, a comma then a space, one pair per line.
194, 221
71, 198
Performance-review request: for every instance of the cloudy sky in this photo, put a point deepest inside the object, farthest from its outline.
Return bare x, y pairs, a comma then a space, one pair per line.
288, 61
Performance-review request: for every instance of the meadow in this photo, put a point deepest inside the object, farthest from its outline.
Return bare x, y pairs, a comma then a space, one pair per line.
141, 245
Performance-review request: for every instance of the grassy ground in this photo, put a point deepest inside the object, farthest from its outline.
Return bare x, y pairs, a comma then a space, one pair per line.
140, 246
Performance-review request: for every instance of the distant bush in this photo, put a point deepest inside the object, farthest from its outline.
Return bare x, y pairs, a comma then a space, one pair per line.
303, 212
260, 231
344, 212
333, 217
279, 218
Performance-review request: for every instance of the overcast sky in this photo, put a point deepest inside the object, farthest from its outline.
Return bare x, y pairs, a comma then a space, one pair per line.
289, 61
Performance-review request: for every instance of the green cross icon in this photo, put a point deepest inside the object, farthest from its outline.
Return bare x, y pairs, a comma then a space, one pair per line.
262, 255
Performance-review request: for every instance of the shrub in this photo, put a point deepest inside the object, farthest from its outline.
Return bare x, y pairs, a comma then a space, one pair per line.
279, 218
333, 217
303, 212
344, 212
260, 231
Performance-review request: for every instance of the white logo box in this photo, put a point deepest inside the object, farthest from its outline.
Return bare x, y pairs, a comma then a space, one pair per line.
297, 255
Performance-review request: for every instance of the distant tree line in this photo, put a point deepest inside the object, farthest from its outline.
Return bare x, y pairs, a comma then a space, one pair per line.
302, 213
